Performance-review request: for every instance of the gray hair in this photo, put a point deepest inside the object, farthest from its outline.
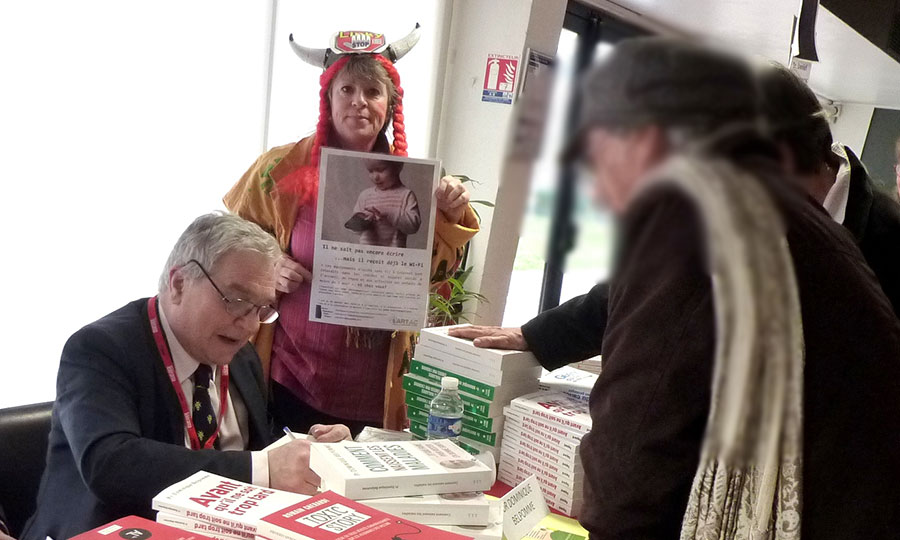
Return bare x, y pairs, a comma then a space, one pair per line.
210, 237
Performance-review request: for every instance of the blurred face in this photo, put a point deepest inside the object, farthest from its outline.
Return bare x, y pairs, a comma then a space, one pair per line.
619, 162
383, 175
197, 313
358, 110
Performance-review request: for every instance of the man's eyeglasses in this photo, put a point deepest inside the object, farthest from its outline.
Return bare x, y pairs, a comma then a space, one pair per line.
239, 307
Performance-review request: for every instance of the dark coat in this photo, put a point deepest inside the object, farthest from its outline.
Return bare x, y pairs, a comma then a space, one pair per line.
651, 402
117, 434
874, 220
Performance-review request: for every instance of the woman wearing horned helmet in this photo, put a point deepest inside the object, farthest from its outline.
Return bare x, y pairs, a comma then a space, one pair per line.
321, 373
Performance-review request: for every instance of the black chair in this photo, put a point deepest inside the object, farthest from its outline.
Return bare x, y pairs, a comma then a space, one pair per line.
23, 453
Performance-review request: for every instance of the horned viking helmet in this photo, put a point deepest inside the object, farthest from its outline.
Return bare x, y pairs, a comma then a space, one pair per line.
356, 42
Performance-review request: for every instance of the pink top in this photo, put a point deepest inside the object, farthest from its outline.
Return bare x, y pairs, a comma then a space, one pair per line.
313, 359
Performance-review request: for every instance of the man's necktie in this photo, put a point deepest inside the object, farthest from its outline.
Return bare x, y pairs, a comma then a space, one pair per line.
203, 415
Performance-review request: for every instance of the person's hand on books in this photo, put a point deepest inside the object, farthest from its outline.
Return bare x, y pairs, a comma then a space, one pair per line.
289, 274
452, 198
492, 337
330, 433
289, 468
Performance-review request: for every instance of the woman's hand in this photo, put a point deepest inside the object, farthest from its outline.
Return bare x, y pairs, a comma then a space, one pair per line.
452, 198
289, 274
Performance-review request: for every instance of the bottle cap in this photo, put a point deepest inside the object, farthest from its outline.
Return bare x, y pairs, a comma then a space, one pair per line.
450, 383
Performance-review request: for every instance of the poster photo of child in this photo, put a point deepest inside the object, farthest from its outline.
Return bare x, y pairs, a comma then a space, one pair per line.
377, 199
388, 212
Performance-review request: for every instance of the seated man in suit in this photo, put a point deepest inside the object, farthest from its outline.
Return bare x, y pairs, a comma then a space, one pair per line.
168, 386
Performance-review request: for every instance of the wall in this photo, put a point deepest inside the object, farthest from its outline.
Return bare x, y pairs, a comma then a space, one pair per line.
474, 135
120, 123
852, 126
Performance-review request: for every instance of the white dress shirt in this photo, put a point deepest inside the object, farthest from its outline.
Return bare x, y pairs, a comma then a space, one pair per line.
234, 429
835, 202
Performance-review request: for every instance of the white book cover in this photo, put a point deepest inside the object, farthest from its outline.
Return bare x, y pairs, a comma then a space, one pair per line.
556, 408
572, 381
466, 508
540, 426
222, 501
193, 525
361, 471
498, 359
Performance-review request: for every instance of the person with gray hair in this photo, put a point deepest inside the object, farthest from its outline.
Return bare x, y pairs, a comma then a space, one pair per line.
168, 386
832, 174
751, 362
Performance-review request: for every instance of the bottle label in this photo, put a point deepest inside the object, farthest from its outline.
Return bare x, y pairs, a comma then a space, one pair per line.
444, 428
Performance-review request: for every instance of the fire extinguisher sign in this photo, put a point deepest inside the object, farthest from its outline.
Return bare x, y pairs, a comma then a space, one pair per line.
500, 78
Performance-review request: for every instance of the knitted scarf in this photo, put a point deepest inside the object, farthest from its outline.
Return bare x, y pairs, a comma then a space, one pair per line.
748, 484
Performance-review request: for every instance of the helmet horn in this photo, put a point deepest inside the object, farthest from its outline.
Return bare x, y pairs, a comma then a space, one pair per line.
399, 48
315, 57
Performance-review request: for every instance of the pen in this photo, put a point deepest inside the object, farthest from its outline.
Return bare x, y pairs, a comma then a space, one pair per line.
289, 433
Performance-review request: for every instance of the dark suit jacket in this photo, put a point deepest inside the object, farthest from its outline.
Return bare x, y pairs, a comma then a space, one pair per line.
650, 404
117, 435
874, 220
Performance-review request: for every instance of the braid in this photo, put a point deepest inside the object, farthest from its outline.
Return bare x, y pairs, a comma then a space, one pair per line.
304, 182
400, 145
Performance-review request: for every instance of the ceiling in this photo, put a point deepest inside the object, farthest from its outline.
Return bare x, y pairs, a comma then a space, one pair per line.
850, 69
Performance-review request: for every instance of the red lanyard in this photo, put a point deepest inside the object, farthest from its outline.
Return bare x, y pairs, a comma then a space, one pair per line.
163, 348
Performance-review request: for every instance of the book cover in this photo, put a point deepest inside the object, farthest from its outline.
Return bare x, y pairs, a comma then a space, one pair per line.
393, 469
222, 501
137, 528
574, 382
329, 516
193, 525
466, 508
520, 380
556, 527
556, 408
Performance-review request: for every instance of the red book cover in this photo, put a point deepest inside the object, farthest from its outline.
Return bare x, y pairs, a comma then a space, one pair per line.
329, 516
138, 528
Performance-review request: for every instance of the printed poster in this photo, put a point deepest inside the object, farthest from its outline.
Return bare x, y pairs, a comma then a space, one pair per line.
374, 236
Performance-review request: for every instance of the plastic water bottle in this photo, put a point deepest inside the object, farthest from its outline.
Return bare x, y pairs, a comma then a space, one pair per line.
445, 416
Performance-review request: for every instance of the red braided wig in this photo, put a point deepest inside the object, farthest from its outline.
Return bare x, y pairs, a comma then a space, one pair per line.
304, 182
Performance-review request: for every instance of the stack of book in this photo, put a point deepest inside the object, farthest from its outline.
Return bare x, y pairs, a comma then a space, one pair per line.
542, 436
225, 509
219, 507
430, 482
488, 380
